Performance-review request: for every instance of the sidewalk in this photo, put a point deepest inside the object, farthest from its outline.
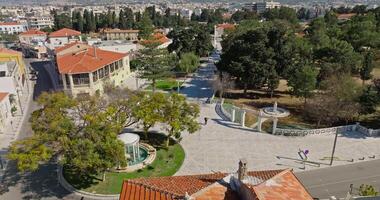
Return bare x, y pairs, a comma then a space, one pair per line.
14, 129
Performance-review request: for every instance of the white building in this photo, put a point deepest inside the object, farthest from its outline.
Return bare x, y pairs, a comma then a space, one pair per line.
261, 7
5, 111
117, 46
12, 27
63, 36
186, 13
40, 22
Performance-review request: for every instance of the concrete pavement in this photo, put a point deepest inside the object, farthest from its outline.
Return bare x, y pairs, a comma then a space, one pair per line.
335, 181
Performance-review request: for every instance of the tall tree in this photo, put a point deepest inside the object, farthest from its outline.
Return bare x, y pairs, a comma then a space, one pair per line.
155, 64
90, 147
122, 20
189, 62
130, 18
367, 67
148, 110
180, 116
87, 21
145, 26
303, 82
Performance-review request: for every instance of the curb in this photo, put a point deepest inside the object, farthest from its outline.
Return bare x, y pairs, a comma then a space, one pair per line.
62, 181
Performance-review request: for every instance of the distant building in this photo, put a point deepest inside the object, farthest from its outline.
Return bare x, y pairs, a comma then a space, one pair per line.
186, 13
219, 30
158, 38
32, 36
63, 37
12, 27
85, 69
40, 22
261, 7
120, 46
33, 43
118, 34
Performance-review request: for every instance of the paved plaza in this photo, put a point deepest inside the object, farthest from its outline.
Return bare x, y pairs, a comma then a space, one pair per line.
220, 144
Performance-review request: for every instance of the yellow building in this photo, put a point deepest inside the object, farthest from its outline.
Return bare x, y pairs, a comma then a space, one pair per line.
7, 55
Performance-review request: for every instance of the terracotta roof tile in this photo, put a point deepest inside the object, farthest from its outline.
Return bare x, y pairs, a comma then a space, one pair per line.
33, 32
116, 30
3, 95
9, 23
65, 32
283, 186
9, 51
226, 26
86, 61
156, 38
163, 188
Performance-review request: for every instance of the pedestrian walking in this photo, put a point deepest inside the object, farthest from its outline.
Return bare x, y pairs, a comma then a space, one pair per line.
206, 119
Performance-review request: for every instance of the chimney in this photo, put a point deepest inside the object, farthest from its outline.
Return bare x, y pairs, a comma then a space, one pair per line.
242, 171
95, 52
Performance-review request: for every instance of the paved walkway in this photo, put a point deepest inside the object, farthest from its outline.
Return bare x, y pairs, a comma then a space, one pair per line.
220, 144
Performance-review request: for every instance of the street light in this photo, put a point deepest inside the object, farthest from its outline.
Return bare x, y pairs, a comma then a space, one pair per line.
334, 146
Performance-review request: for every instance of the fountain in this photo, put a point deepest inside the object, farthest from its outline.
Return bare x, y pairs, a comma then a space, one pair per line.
273, 113
138, 154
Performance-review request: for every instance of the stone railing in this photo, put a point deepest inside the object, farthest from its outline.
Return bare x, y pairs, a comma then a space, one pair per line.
224, 111
367, 131
297, 132
356, 127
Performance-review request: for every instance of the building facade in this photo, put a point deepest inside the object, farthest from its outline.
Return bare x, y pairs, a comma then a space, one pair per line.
64, 36
5, 111
12, 27
86, 70
33, 43
118, 34
40, 22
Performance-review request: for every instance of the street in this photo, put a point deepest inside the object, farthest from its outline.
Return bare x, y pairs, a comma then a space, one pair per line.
335, 181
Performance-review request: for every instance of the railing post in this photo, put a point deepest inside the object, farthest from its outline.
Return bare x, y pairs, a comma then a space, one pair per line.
233, 115
243, 118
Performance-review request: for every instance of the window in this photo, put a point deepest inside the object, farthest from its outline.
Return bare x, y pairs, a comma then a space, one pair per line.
101, 73
121, 63
81, 79
95, 76
106, 70
112, 67
67, 79
2, 73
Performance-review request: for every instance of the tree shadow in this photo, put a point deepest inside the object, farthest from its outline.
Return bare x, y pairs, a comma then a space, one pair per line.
39, 184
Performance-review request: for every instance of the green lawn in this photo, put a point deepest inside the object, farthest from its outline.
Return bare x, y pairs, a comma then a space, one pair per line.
167, 162
166, 84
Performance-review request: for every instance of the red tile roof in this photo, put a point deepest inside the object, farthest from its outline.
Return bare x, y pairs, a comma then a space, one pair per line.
85, 61
9, 23
65, 32
33, 32
3, 95
163, 188
9, 51
283, 186
59, 49
345, 16
116, 30
158, 38
226, 26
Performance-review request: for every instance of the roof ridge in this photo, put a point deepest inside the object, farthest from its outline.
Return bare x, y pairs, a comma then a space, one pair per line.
279, 174
155, 188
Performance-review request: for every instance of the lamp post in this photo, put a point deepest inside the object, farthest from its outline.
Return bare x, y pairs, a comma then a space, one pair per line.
334, 146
